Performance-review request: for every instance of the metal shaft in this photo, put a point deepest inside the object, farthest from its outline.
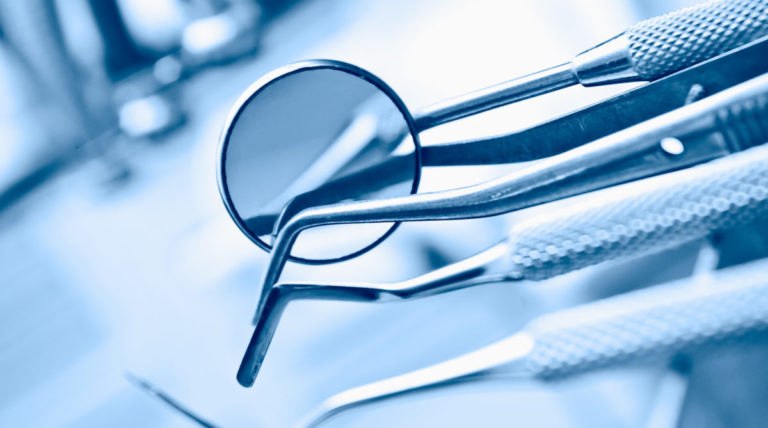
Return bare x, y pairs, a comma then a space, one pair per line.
648, 50
494, 96
511, 192
649, 325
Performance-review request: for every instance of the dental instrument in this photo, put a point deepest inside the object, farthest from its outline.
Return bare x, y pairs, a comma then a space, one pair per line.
550, 138
647, 51
630, 220
644, 326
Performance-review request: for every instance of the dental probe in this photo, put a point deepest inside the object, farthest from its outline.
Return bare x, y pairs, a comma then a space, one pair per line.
646, 51
648, 325
625, 221
735, 119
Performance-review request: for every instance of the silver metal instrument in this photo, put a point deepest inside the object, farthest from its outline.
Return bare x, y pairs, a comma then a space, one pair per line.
644, 326
729, 121
558, 176
547, 139
551, 178
630, 220
648, 51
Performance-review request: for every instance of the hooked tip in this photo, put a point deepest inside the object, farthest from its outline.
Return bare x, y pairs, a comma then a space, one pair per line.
267, 319
246, 378
249, 366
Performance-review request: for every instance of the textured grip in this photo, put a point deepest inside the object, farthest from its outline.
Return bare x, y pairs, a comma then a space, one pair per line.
662, 45
657, 322
643, 216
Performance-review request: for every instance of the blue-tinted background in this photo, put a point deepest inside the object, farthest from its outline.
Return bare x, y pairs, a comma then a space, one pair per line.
117, 255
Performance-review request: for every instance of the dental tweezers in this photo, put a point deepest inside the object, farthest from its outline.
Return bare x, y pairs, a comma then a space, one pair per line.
652, 324
648, 51
630, 220
729, 121
547, 139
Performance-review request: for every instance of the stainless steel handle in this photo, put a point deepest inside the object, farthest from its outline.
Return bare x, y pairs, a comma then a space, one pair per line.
660, 46
654, 214
652, 323
647, 51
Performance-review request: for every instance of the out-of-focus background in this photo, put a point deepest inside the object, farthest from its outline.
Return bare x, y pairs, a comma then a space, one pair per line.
117, 255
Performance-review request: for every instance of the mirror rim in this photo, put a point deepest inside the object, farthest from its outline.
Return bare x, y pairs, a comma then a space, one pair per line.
274, 76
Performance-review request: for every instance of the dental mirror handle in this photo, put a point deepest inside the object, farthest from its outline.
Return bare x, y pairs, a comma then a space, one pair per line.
646, 216
641, 326
660, 46
648, 50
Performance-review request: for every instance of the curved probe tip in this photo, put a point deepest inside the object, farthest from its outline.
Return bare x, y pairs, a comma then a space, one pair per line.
268, 317
249, 366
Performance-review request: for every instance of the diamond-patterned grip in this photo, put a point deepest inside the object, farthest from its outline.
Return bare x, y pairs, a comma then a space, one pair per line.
662, 45
651, 323
643, 216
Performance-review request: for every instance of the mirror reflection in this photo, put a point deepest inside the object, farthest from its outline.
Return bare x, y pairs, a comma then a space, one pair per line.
311, 137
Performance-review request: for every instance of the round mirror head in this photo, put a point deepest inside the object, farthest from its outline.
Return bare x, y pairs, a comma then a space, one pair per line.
312, 134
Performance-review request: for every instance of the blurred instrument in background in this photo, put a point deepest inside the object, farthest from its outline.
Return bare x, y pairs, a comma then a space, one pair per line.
96, 72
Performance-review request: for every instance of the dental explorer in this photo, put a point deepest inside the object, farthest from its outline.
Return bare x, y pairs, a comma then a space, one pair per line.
630, 220
743, 107
652, 324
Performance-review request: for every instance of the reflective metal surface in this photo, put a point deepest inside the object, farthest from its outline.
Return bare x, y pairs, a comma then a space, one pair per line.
322, 121
636, 327
118, 257
511, 192
632, 220
609, 62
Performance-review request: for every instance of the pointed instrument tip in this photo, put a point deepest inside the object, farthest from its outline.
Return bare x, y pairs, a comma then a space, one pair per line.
249, 366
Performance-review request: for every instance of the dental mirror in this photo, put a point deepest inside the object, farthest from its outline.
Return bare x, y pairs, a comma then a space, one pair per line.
326, 122
316, 125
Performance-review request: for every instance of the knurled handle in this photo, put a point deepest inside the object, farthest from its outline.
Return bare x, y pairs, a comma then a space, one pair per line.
649, 215
651, 323
671, 42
